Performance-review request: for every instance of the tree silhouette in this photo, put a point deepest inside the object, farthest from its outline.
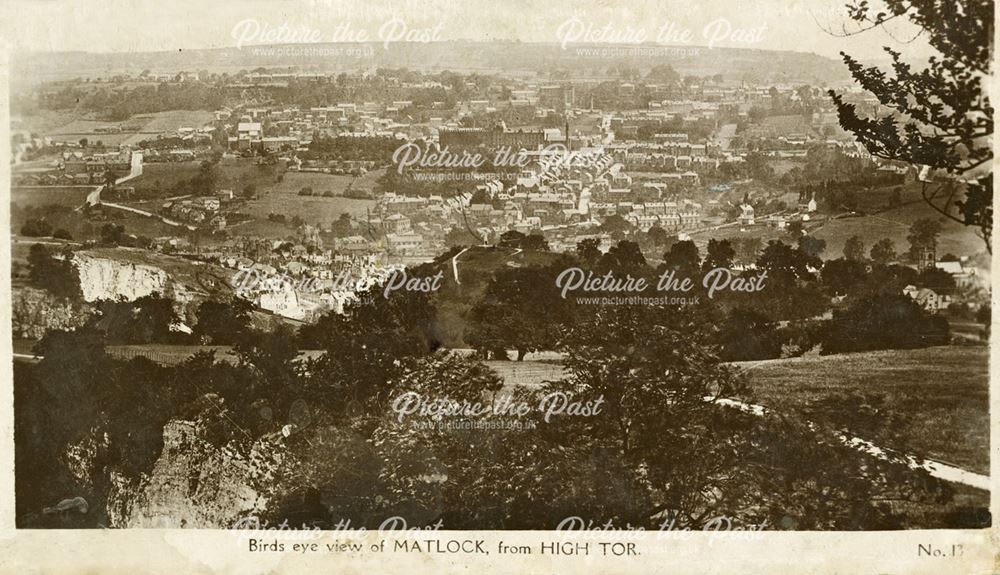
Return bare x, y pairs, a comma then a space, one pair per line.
940, 116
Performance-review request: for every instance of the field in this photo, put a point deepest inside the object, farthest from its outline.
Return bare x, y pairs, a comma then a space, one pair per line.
163, 176
283, 198
79, 227
172, 120
765, 233
892, 223
232, 173
319, 182
69, 196
895, 224
944, 390
134, 130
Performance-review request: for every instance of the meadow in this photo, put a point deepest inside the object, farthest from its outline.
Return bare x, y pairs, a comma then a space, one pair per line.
943, 392
283, 198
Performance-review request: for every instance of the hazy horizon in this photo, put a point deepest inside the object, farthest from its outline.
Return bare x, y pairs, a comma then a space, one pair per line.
800, 26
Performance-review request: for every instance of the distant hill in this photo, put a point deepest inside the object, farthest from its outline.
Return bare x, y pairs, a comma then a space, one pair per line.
581, 61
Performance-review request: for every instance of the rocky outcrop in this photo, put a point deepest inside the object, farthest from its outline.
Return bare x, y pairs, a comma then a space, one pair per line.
196, 483
106, 278
35, 312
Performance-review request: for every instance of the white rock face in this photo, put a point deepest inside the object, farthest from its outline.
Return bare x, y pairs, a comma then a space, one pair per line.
196, 484
102, 278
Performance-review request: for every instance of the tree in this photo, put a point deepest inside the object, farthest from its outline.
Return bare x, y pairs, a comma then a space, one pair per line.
840, 275
111, 179
785, 265
663, 74
619, 355
854, 249
615, 225
623, 258
458, 236
746, 335
683, 258
747, 249
342, 227
223, 323
638, 357
112, 234
588, 251
940, 116
364, 345
58, 276
36, 228
269, 358
883, 251
884, 321
812, 247
719, 254
657, 235
57, 404
535, 242
896, 197
520, 310
937, 280
511, 239
148, 319
923, 235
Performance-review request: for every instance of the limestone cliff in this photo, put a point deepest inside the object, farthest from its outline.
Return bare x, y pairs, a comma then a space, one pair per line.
197, 483
105, 278
131, 273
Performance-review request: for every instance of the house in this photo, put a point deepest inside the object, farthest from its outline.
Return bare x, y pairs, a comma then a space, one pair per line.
405, 244
927, 298
283, 302
218, 222
249, 135
964, 276
397, 224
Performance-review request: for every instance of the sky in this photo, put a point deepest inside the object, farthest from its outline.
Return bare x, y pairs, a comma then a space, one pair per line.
159, 25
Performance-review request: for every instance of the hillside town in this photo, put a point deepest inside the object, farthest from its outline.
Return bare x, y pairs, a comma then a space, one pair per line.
493, 284
681, 163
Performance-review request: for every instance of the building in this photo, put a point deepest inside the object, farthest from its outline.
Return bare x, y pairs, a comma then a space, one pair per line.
397, 224
249, 135
496, 137
927, 298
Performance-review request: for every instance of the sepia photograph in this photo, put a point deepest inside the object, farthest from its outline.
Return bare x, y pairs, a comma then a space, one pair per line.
302, 269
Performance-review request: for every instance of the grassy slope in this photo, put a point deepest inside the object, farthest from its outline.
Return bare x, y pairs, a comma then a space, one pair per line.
283, 198
878, 223
944, 389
